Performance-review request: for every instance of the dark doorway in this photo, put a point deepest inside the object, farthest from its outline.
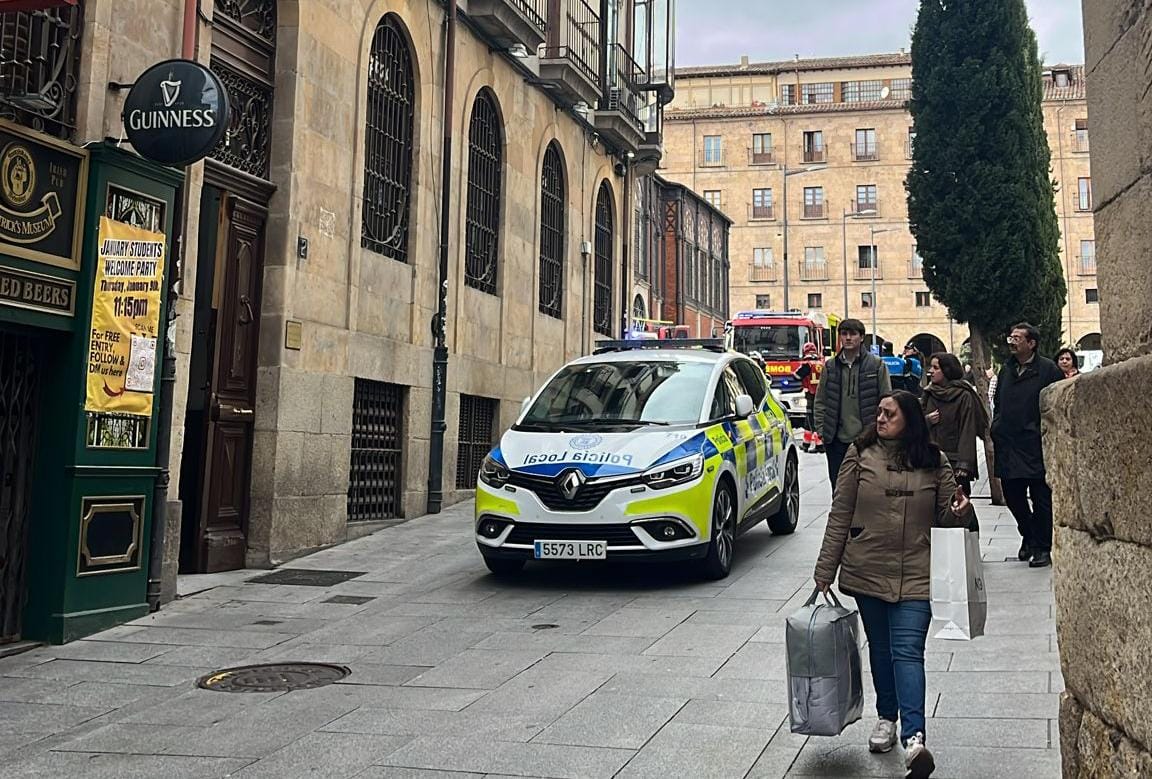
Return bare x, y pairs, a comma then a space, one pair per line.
218, 428
927, 344
20, 372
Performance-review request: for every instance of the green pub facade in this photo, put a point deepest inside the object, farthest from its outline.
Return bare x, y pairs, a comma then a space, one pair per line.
76, 486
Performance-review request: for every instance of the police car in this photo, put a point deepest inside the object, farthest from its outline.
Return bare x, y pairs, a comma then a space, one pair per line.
646, 450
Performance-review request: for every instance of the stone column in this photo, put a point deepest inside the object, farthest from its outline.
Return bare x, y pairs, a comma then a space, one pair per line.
1098, 428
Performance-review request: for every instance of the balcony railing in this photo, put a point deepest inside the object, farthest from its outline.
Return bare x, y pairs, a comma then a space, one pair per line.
865, 152
866, 208
1086, 265
814, 211
908, 148
711, 159
915, 268
763, 272
622, 94
1080, 143
761, 212
815, 155
579, 40
813, 270
767, 157
865, 273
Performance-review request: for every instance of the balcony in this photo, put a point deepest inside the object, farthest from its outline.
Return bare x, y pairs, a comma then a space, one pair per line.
1080, 142
908, 149
814, 211
617, 117
506, 22
813, 270
915, 268
763, 273
711, 159
815, 155
865, 209
1086, 265
865, 152
766, 157
761, 213
570, 62
865, 273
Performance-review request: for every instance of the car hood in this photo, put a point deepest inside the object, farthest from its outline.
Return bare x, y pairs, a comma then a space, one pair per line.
599, 454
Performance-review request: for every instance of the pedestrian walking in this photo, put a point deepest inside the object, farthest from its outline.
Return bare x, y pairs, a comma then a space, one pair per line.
1068, 363
956, 418
895, 485
851, 385
1019, 452
809, 375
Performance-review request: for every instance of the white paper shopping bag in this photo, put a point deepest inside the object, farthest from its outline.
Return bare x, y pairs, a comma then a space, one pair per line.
959, 600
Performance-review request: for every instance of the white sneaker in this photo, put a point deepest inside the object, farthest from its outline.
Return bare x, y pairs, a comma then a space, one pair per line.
883, 736
917, 759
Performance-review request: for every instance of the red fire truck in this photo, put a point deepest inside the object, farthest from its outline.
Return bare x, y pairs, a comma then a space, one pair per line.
779, 338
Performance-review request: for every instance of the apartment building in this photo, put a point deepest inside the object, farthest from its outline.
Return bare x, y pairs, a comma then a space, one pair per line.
808, 158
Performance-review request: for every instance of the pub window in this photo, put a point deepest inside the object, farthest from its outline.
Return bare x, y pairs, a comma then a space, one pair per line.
602, 281
40, 67
485, 157
388, 143
552, 198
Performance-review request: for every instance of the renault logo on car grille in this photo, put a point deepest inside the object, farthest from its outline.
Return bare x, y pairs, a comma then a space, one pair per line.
569, 483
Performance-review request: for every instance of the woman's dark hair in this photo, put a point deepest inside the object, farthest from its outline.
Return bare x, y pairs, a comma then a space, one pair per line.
918, 450
1066, 350
949, 365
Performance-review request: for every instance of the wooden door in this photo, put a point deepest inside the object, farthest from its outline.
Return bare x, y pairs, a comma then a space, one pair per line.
232, 393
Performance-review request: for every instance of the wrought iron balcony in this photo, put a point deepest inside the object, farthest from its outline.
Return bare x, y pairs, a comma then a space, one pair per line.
865, 152
813, 270
765, 157
1080, 143
864, 273
915, 268
507, 22
570, 61
815, 155
711, 159
814, 211
865, 208
761, 213
617, 117
1086, 265
763, 272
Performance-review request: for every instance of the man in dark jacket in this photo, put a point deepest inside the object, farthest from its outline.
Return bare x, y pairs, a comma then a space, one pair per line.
851, 385
1019, 452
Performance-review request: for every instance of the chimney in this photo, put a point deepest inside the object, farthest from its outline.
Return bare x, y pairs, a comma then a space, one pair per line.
743, 61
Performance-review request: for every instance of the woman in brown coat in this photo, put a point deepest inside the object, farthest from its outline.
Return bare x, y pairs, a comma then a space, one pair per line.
957, 418
895, 484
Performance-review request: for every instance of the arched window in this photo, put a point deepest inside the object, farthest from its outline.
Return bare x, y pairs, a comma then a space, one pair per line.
485, 152
388, 143
552, 196
602, 280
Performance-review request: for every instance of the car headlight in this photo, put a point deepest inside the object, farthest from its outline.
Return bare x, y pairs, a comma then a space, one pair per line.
679, 472
493, 472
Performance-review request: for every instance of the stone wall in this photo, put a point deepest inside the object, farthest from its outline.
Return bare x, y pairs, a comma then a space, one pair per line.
1098, 443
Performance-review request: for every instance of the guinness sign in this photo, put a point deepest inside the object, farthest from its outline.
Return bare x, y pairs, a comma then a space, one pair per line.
176, 113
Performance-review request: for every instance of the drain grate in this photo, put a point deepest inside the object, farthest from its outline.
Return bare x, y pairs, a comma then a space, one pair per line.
355, 600
306, 577
273, 677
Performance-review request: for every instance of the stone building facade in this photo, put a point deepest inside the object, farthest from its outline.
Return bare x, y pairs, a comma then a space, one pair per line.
1096, 438
840, 130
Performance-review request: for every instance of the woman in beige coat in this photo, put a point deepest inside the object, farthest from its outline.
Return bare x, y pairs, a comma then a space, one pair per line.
895, 484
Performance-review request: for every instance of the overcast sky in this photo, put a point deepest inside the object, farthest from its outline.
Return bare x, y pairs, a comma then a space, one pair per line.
714, 32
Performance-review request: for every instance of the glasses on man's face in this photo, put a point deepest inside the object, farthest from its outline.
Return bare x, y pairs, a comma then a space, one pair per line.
1014, 339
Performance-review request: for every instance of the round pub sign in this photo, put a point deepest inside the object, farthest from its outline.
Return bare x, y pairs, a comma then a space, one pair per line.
176, 112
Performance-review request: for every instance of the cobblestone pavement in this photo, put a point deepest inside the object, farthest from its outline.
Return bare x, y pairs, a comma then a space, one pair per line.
568, 671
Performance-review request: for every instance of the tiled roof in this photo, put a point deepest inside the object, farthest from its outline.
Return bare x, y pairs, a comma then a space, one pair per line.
791, 66
735, 112
1075, 89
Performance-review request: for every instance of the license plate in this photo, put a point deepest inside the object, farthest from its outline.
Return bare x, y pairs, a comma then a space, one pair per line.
571, 550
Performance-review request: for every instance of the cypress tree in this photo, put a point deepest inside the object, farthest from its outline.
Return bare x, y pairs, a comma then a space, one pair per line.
980, 195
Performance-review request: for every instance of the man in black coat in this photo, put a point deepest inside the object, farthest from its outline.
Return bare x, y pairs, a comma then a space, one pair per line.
1019, 452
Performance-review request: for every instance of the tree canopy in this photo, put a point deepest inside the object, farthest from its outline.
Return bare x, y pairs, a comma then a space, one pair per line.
980, 195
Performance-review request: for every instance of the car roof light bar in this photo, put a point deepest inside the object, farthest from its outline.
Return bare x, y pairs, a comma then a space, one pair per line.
711, 344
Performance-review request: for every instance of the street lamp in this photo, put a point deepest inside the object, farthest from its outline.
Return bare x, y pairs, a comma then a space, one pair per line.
872, 246
787, 173
844, 245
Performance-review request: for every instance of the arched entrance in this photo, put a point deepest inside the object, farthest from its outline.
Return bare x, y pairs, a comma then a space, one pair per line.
1089, 343
639, 308
927, 344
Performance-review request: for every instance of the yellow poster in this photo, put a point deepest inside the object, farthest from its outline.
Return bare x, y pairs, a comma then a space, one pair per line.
122, 350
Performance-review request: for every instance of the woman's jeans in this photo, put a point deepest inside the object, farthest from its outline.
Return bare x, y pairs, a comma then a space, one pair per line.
896, 635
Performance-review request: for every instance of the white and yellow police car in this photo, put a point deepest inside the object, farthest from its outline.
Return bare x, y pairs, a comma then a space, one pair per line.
646, 450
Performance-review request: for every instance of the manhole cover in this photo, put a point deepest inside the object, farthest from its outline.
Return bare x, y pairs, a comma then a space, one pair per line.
274, 677
306, 577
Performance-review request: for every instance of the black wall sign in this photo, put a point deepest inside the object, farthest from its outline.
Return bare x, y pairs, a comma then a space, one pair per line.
41, 197
176, 112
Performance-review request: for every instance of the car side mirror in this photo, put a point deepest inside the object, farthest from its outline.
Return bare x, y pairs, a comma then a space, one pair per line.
744, 406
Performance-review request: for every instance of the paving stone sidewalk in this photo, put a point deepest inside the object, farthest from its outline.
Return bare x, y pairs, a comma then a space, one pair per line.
568, 671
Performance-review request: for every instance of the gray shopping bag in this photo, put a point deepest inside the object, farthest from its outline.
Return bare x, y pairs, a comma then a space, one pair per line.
959, 600
825, 688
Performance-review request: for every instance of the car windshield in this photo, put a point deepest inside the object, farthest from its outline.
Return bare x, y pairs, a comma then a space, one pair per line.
610, 394
772, 341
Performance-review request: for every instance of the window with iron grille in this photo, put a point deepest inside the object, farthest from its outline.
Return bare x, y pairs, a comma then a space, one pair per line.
375, 487
388, 143
552, 196
485, 158
477, 434
40, 68
602, 281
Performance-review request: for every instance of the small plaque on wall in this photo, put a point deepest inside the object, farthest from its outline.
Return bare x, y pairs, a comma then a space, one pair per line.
110, 528
293, 335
